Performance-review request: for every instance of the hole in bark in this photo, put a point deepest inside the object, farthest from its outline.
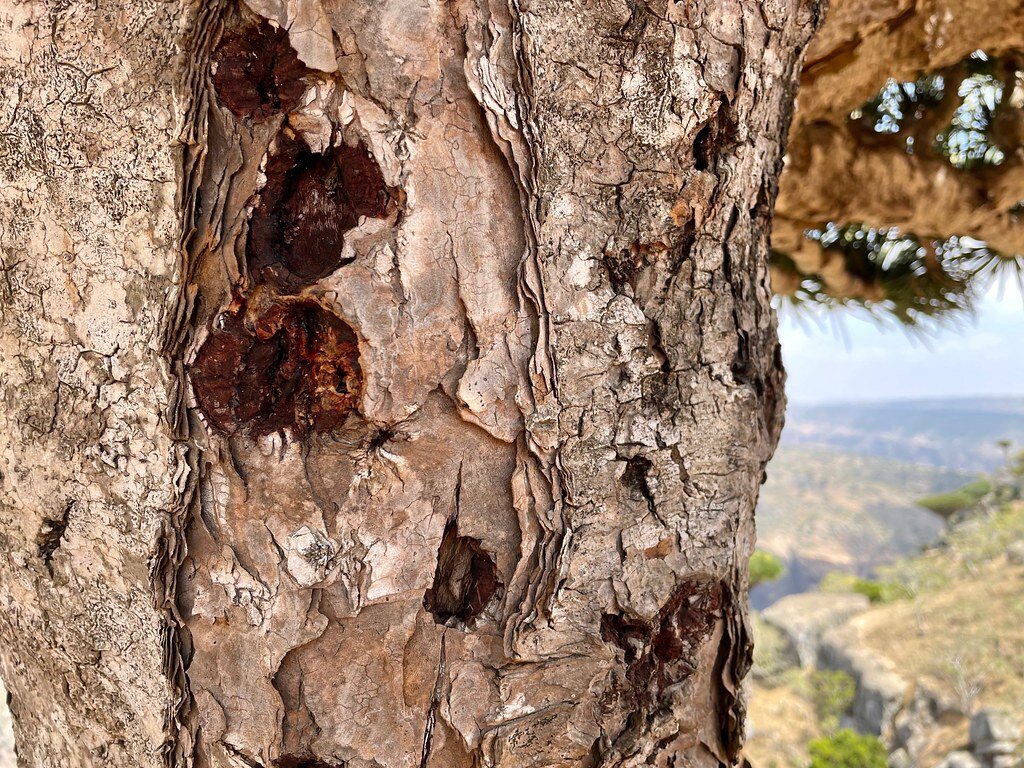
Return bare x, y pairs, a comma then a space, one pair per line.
295, 761
623, 266
309, 202
702, 147
465, 579
626, 265
743, 370
280, 365
380, 438
773, 387
663, 652
258, 74
635, 478
50, 534
718, 133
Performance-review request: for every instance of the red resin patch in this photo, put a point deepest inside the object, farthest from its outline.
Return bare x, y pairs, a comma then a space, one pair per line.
309, 202
286, 365
258, 74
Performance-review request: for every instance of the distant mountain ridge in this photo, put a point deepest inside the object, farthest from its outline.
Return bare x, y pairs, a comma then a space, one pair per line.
826, 510
842, 489
956, 433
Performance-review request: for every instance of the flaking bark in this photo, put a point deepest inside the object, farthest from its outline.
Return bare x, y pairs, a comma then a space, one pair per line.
478, 489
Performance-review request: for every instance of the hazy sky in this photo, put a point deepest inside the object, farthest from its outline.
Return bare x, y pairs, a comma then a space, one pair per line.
861, 360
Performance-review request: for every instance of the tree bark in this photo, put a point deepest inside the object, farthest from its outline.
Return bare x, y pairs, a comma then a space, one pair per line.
393, 391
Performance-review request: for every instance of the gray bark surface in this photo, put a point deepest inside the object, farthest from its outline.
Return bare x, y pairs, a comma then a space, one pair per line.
473, 483
89, 230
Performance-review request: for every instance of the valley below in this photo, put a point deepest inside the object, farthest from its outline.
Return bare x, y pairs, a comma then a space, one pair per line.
891, 623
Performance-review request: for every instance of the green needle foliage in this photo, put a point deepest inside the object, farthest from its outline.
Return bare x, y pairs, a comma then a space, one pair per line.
907, 277
953, 114
902, 110
899, 104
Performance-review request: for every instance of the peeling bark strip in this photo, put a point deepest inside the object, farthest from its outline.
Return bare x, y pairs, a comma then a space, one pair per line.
513, 255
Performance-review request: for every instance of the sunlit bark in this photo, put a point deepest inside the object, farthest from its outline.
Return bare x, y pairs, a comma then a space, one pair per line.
390, 392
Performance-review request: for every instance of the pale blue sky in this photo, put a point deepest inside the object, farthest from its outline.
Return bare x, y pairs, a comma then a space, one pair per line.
840, 357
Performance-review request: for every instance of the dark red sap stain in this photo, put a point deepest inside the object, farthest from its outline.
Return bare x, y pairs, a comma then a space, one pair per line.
465, 579
258, 74
277, 365
663, 652
309, 202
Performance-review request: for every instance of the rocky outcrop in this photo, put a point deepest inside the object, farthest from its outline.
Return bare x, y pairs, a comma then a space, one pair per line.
905, 713
996, 738
881, 692
805, 619
960, 759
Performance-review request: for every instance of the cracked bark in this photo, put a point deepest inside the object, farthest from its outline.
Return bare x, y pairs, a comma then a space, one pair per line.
481, 317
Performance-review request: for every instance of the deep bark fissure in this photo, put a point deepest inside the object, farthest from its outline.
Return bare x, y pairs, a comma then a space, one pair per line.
435, 702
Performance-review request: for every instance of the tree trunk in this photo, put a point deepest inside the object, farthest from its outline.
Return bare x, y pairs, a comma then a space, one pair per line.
393, 391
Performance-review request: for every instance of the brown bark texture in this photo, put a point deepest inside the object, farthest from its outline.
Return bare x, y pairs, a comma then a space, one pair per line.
386, 384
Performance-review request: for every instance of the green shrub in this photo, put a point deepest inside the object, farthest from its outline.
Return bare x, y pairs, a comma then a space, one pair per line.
949, 504
1016, 465
847, 749
832, 694
875, 591
764, 567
